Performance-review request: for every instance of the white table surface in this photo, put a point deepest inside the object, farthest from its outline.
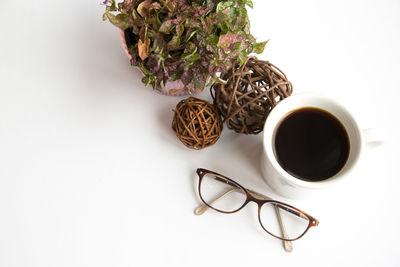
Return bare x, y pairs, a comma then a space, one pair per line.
91, 173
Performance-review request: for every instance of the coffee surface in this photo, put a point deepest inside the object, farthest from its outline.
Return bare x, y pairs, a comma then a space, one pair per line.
311, 144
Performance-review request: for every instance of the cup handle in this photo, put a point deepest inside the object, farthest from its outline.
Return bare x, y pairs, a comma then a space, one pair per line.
373, 137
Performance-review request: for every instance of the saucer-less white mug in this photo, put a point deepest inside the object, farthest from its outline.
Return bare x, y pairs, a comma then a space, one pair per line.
284, 183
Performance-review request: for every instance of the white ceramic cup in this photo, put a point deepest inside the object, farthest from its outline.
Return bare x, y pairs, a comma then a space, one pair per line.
289, 186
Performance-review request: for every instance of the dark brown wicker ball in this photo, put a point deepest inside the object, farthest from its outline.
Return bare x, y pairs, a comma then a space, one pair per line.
196, 123
251, 91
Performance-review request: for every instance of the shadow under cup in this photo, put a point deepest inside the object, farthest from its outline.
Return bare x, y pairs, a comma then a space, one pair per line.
276, 177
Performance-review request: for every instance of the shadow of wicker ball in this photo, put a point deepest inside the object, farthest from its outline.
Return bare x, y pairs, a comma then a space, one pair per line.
196, 123
249, 94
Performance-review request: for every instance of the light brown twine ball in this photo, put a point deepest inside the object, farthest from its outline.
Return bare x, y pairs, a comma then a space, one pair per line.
251, 91
196, 123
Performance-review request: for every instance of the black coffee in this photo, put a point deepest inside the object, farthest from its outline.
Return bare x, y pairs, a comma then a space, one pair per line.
311, 144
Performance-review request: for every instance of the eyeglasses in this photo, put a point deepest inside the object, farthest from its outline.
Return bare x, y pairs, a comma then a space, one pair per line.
278, 219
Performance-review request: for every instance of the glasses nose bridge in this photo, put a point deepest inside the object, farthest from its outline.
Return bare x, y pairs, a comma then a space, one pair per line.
258, 201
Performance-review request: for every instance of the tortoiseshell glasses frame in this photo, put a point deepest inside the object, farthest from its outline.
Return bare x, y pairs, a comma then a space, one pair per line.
252, 196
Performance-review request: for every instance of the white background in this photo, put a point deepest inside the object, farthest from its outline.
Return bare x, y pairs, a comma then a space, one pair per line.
91, 173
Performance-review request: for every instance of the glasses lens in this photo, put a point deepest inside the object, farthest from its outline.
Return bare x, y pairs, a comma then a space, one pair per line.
221, 194
283, 221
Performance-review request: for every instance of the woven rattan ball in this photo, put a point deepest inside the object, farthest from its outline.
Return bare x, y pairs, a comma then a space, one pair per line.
251, 91
196, 123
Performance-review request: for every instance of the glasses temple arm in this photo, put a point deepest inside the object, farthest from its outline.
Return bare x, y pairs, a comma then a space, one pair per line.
287, 245
203, 207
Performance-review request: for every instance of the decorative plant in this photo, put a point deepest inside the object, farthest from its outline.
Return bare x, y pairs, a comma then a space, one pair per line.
187, 40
